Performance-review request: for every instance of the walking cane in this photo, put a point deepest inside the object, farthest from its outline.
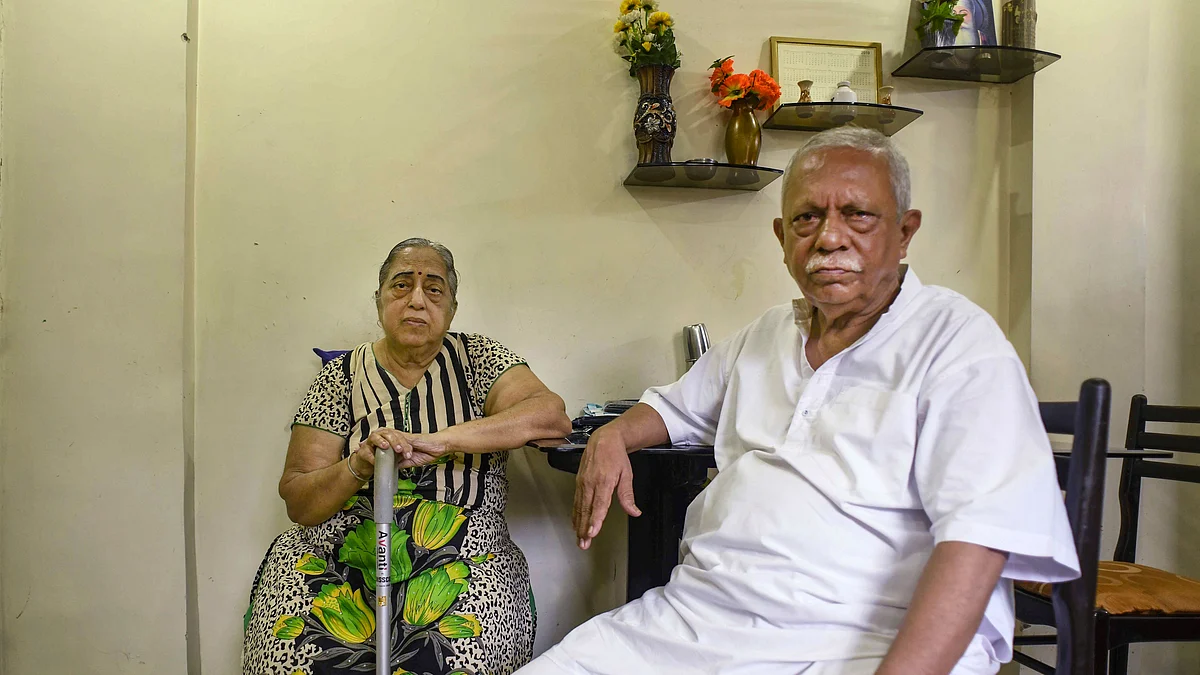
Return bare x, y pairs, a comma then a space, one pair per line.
385, 490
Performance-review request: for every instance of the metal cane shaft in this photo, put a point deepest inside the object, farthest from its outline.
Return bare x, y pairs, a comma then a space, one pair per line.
385, 490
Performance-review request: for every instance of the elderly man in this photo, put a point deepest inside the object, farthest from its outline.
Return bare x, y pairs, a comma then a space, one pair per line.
883, 471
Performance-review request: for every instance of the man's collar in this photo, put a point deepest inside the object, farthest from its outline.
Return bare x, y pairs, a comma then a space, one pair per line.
910, 285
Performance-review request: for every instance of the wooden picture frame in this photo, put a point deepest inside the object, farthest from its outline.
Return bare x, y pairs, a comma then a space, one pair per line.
826, 62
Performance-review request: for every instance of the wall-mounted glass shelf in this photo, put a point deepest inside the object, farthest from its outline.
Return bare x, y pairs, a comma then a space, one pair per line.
714, 176
887, 119
997, 65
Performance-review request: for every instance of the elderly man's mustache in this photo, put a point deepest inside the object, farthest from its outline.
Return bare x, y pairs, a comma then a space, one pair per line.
835, 261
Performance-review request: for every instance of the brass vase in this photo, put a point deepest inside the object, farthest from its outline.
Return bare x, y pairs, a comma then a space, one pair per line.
654, 120
743, 135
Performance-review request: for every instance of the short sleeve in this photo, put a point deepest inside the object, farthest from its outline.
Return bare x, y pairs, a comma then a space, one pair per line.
985, 472
327, 404
691, 407
489, 360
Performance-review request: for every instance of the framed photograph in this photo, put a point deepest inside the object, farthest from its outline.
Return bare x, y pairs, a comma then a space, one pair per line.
826, 62
979, 23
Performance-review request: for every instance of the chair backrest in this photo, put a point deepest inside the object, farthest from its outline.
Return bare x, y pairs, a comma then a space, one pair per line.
1141, 412
1133, 470
1074, 602
1059, 418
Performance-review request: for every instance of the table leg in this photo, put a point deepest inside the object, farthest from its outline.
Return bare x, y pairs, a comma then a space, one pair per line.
663, 487
647, 553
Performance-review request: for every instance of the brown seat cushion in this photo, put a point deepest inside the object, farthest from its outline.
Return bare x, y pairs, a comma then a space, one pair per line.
1126, 588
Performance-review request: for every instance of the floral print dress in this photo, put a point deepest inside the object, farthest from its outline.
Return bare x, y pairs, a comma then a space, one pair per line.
460, 585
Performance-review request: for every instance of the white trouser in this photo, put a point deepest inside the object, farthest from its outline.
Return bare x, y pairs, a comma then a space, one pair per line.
650, 637
596, 649
548, 664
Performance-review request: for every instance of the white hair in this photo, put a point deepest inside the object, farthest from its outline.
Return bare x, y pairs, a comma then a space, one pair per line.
421, 242
866, 140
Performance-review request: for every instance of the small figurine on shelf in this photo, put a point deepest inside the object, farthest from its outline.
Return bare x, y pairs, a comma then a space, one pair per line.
804, 112
805, 91
844, 94
743, 94
886, 115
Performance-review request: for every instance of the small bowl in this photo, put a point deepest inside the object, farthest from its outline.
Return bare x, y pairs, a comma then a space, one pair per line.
700, 169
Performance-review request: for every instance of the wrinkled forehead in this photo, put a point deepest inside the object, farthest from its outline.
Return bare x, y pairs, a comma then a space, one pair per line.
420, 262
845, 172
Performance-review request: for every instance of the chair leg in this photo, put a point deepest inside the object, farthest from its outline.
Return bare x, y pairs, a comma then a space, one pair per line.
1118, 664
1100, 660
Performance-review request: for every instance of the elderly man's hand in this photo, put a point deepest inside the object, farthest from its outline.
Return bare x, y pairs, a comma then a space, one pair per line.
604, 468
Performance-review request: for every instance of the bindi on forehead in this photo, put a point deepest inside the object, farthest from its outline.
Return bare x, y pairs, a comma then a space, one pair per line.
417, 273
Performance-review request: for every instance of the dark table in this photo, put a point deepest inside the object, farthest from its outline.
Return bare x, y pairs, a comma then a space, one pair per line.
665, 481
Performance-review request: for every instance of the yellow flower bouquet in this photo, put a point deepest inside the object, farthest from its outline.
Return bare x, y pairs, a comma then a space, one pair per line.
644, 36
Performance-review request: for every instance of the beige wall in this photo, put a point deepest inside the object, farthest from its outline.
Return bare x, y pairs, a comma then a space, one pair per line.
1089, 241
93, 183
1172, 289
326, 134
3, 342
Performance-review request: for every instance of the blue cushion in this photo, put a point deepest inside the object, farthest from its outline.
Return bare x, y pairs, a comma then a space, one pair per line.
326, 357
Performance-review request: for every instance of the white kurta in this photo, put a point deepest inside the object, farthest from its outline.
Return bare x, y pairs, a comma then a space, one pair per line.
833, 488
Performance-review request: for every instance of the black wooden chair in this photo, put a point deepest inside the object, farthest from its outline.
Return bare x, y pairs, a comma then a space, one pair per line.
1070, 607
1137, 603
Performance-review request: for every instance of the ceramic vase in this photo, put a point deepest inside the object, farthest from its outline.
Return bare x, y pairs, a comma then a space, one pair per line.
654, 120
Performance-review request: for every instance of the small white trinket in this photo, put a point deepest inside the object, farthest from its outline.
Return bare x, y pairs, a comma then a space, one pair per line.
844, 94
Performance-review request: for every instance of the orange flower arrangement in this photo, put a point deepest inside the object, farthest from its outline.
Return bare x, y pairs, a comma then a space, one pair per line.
757, 88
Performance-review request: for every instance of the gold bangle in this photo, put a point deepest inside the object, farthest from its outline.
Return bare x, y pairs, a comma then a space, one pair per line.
353, 472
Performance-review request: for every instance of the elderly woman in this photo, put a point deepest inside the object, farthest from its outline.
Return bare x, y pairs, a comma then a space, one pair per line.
450, 405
